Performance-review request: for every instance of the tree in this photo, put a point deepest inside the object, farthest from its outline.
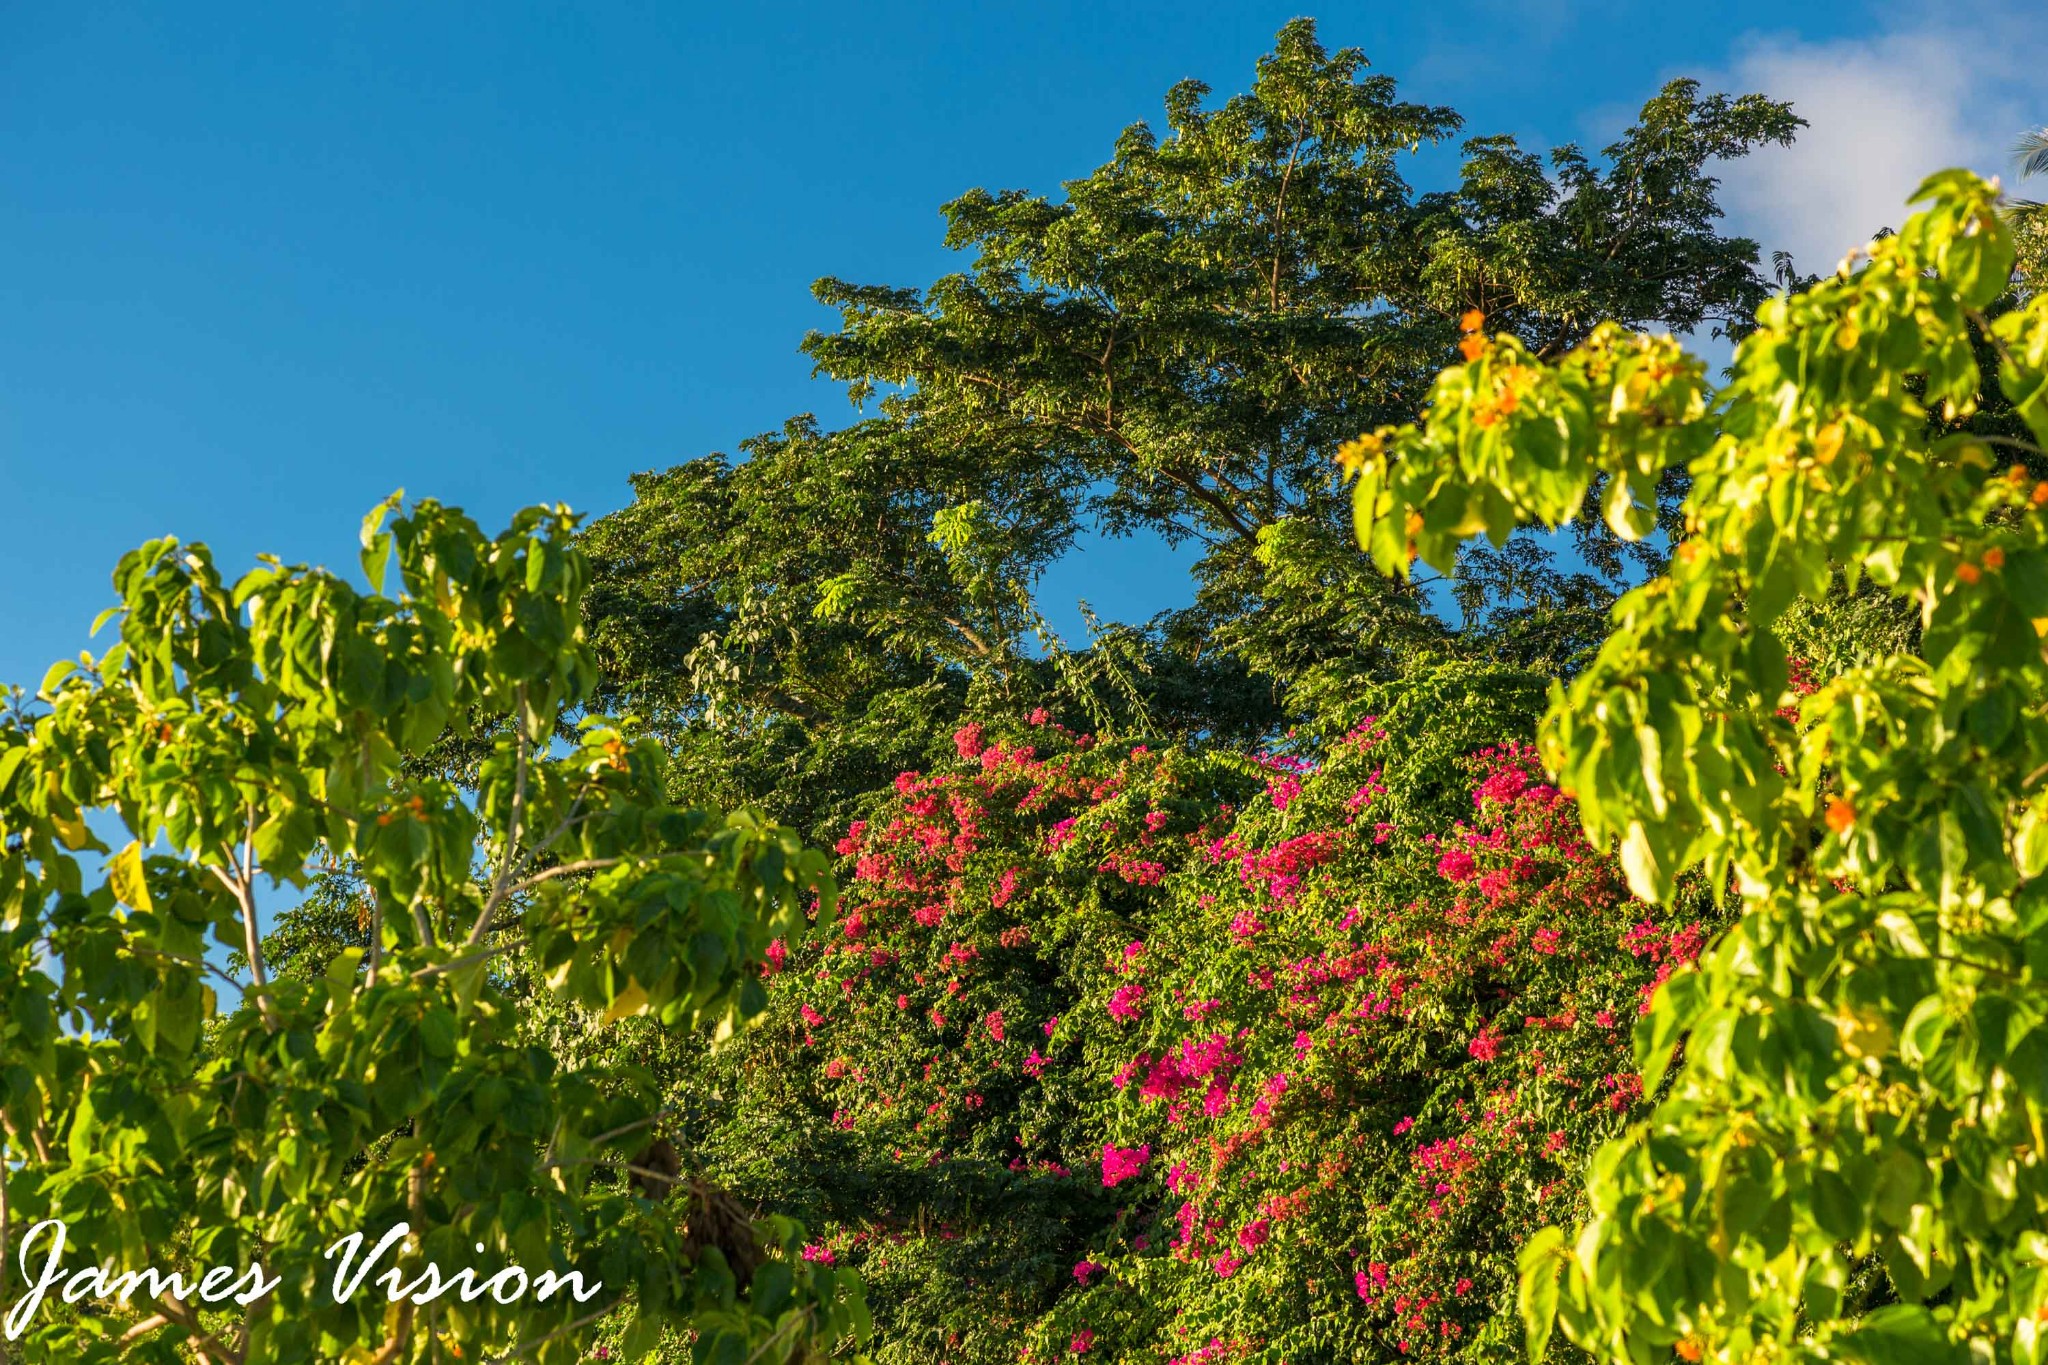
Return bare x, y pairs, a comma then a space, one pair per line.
240, 741
1176, 346
802, 624
1845, 1163
1202, 320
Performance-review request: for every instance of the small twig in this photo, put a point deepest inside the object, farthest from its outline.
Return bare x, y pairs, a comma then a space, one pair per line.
2016, 444
184, 961
565, 869
2001, 973
457, 964
798, 1319
656, 1117
530, 1347
563, 1163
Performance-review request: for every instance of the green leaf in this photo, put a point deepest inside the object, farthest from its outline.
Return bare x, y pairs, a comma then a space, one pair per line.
1657, 1034
1648, 873
2027, 1063
56, 674
1539, 1264
1900, 1334
1836, 1209
1924, 1028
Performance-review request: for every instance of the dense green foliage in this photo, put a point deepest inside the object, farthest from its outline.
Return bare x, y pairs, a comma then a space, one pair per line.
1865, 1072
246, 738
1276, 980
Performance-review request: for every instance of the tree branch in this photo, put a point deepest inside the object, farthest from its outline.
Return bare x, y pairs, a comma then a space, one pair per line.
242, 886
565, 869
511, 855
1280, 214
205, 1344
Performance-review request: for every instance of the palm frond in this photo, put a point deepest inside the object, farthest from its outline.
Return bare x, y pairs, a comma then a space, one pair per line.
2032, 151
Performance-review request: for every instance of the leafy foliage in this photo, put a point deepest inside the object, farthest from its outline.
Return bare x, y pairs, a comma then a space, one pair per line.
247, 739
1200, 323
1176, 345
1861, 1073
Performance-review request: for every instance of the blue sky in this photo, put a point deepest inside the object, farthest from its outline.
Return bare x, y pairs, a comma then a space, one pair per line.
266, 263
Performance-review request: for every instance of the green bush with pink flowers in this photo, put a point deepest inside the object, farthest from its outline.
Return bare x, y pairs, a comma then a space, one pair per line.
1158, 1054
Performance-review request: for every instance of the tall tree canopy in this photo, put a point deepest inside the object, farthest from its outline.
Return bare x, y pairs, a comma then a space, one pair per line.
1176, 345
1201, 321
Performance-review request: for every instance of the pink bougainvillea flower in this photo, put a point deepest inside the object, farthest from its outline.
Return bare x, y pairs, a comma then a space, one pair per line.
1457, 865
1121, 1163
1083, 1269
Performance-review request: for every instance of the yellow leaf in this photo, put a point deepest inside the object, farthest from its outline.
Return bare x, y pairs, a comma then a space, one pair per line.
125, 876
71, 830
631, 1000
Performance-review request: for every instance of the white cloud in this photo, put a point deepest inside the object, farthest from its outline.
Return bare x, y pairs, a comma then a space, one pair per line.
1884, 110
